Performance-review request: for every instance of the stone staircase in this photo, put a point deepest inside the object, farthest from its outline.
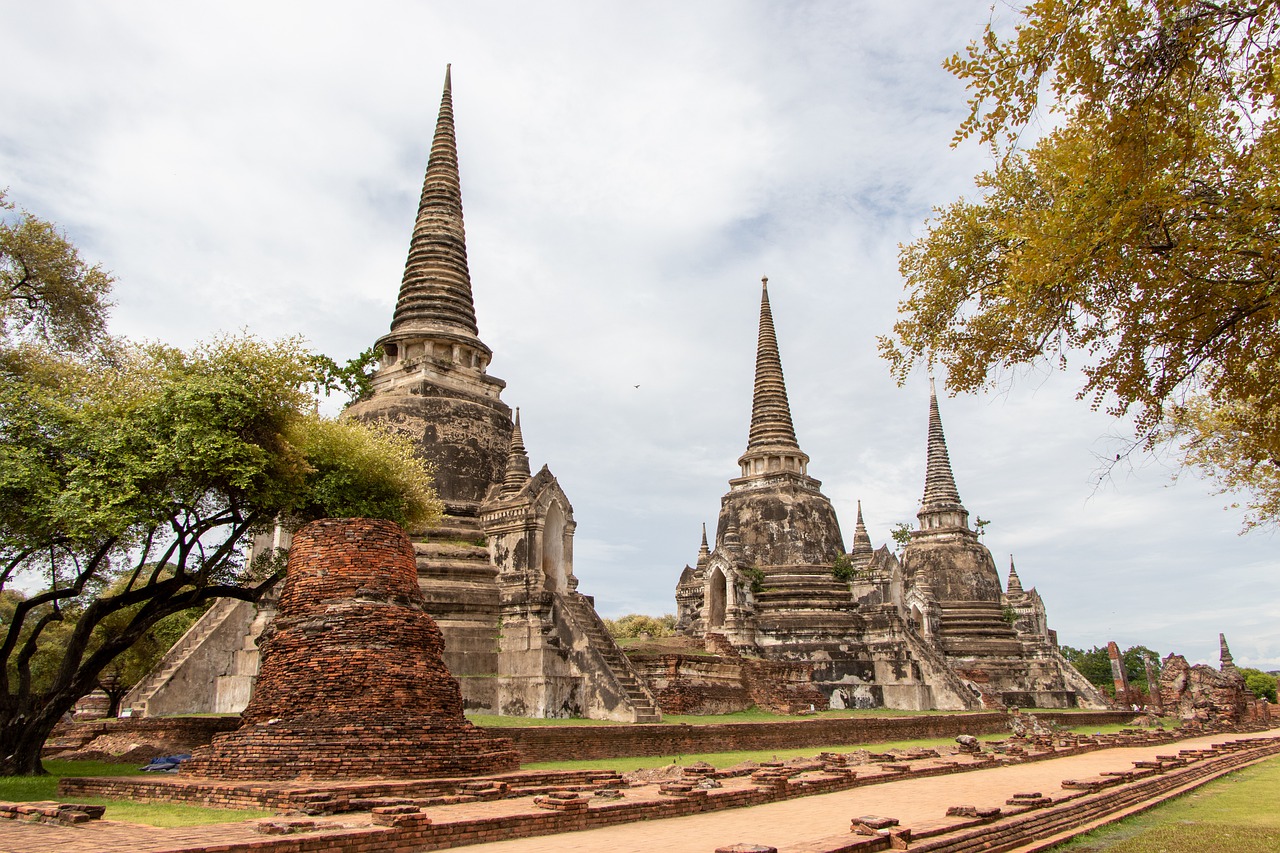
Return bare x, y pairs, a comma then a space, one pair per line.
459, 583
805, 604
233, 689
588, 622
189, 644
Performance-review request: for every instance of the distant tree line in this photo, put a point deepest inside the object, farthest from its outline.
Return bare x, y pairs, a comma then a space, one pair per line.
632, 625
1095, 665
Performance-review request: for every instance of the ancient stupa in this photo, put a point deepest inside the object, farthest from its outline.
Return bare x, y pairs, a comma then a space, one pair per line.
947, 554
432, 382
352, 683
767, 586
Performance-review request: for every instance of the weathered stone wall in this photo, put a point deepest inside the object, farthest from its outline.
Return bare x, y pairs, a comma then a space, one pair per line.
780, 522
725, 683
464, 436
958, 567
694, 684
353, 682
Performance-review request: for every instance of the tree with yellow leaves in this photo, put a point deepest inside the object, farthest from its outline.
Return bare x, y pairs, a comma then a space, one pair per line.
1139, 236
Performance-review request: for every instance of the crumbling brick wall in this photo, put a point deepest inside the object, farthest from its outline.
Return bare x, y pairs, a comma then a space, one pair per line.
1203, 693
353, 682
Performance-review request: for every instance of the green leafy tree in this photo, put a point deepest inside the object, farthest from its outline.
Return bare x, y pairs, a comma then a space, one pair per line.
901, 534
1139, 236
355, 378
1262, 684
48, 294
127, 492
1095, 665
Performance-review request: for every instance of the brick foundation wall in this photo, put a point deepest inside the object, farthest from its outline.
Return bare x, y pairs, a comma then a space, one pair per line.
552, 743
558, 743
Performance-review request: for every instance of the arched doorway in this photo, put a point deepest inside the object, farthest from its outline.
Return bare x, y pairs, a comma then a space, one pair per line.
717, 593
553, 548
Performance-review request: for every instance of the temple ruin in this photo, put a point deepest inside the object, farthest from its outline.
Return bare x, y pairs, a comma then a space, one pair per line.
776, 613
353, 681
928, 631
1202, 694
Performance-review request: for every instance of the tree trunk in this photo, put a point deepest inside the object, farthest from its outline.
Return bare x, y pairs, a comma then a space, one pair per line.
21, 742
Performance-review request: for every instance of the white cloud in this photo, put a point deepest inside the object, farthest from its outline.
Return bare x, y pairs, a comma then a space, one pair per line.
629, 172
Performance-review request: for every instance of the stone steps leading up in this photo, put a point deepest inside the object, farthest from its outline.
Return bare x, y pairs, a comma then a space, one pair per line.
588, 622
180, 653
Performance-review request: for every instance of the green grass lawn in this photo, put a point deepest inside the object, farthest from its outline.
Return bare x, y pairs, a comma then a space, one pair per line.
728, 759
1238, 813
28, 788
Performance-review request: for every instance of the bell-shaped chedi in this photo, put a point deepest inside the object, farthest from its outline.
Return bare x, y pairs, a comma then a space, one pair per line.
945, 550
352, 683
782, 517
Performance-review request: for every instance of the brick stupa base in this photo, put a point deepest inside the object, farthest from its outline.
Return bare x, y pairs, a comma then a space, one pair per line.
352, 682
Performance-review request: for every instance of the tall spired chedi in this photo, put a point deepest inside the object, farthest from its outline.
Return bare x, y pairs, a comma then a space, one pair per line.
432, 382
497, 576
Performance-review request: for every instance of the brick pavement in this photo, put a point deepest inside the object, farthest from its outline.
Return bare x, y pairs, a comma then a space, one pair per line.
783, 824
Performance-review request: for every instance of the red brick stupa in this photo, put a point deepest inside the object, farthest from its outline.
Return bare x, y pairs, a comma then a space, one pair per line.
352, 683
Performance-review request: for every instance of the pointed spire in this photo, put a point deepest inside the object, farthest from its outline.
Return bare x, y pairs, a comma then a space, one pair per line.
517, 461
704, 553
941, 505
770, 411
435, 294
1015, 582
861, 550
772, 449
1225, 661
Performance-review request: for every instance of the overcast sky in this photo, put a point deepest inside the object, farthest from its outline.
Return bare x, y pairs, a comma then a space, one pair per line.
629, 172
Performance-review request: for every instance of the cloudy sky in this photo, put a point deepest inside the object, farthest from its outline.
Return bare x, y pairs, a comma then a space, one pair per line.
629, 171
